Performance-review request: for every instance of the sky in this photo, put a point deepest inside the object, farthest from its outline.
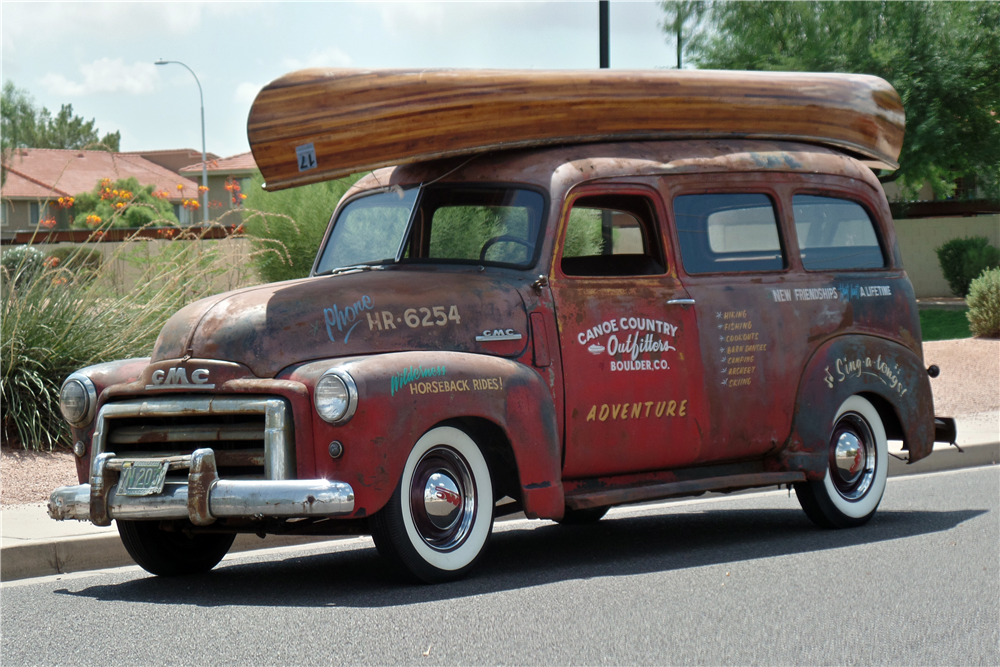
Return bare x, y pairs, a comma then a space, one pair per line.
99, 56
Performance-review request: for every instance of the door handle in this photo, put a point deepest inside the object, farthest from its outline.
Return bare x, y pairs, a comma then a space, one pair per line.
680, 302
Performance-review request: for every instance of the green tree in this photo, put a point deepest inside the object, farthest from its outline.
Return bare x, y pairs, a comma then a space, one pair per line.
24, 125
286, 227
64, 130
943, 59
17, 123
122, 204
682, 21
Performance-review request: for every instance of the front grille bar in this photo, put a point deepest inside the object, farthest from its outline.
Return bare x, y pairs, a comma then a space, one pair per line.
131, 435
279, 441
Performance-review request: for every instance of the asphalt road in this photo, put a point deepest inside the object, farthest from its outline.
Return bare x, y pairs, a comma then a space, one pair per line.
737, 580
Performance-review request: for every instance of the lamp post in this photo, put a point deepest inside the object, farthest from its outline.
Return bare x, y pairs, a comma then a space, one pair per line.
204, 158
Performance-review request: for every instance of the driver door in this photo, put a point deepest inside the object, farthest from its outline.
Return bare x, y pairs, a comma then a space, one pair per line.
631, 355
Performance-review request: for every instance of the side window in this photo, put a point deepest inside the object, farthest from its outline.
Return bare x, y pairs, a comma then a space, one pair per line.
728, 232
835, 234
612, 235
488, 225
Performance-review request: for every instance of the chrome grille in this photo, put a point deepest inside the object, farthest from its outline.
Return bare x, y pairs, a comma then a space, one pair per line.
252, 437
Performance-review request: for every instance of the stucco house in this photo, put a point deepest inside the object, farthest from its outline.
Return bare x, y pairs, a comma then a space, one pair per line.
223, 173
38, 177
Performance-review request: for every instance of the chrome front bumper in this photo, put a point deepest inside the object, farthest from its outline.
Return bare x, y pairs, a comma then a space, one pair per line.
203, 499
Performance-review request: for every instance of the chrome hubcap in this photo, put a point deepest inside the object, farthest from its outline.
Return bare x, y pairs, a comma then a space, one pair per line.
852, 456
443, 498
442, 501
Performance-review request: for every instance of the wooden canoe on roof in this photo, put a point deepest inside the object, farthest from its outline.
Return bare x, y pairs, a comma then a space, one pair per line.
317, 124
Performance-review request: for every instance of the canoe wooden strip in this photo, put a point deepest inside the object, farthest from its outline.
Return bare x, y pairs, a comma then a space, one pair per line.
357, 120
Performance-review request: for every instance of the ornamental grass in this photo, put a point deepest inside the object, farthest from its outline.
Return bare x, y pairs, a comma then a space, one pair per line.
69, 310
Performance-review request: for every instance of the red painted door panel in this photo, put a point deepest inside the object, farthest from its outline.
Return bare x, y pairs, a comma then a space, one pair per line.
632, 369
631, 358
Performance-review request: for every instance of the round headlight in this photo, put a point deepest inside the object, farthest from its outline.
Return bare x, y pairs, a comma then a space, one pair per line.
336, 396
77, 400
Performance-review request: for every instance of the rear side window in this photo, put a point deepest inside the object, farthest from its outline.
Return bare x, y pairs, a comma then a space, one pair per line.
728, 232
835, 234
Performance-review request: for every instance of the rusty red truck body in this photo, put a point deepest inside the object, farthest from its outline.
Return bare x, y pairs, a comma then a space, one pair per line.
553, 330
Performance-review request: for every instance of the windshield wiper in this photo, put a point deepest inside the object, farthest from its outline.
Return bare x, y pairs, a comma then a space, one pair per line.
356, 267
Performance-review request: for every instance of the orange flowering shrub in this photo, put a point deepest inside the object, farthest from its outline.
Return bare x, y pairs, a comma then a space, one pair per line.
124, 203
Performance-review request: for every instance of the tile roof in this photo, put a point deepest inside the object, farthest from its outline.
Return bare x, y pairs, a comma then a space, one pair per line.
233, 164
173, 159
41, 172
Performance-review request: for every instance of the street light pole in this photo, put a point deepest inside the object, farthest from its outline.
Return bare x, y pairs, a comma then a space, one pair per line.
204, 157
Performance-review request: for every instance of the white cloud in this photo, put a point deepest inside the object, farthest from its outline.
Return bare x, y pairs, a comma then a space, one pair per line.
331, 57
404, 17
100, 18
246, 93
459, 18
106, 75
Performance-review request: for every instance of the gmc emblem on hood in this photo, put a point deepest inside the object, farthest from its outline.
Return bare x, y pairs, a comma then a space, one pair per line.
177, 377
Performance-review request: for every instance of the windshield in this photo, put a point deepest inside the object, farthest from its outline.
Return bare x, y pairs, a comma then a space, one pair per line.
496, 226
368, 230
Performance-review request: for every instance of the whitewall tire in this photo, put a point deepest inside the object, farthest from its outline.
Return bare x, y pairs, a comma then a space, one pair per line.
857, 466
438, 521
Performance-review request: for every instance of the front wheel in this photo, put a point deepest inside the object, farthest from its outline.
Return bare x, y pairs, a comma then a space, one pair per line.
856, 471
439, 519
170, 553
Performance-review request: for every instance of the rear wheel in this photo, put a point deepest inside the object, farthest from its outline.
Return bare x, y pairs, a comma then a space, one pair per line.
439, 519
169, 553
857, 465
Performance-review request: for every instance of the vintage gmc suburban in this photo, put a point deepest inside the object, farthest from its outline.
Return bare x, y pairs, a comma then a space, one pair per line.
553, 292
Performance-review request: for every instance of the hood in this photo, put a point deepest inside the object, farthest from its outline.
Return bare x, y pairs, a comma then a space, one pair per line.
271, 327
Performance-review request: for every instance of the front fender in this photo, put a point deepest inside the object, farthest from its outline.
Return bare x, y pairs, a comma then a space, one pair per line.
103, 376
402, 395
891, 376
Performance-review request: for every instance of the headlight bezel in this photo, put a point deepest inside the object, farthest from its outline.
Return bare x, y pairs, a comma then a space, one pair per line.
352, 396
90, 398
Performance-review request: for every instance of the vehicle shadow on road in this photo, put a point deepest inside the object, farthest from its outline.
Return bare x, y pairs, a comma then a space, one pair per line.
526, 555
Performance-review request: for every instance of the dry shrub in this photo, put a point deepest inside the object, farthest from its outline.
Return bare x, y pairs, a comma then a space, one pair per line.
984, 304
58, 320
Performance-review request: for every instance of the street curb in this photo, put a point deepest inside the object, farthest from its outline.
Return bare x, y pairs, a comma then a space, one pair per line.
970, 456
96, 552
40, 558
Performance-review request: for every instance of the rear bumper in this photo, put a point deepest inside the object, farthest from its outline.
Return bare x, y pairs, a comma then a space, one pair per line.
945, 430
202, 499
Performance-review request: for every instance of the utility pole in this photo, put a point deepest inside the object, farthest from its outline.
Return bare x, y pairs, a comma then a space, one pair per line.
604, 12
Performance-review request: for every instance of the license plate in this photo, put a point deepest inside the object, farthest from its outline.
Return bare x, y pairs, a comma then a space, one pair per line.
142, 478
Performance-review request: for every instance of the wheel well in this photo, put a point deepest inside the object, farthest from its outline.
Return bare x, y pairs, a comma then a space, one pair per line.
890, 420
498, 452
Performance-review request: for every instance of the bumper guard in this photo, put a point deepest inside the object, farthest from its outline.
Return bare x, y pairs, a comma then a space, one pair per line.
203, 499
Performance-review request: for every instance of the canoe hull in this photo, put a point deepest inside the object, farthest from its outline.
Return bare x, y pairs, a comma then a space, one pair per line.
361, 120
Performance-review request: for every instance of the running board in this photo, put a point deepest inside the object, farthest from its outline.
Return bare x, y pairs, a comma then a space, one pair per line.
638, 494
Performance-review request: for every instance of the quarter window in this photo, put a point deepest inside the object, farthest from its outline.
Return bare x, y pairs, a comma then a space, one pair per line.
835, 234
728, 232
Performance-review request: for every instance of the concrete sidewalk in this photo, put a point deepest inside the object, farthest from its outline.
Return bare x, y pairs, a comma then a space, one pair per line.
33, 545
